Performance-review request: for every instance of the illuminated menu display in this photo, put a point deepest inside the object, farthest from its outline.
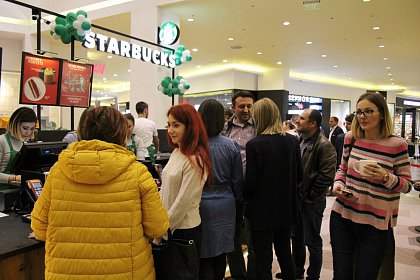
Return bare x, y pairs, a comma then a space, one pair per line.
76, 84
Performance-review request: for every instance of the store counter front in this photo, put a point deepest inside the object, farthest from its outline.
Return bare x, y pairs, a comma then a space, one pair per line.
20, 256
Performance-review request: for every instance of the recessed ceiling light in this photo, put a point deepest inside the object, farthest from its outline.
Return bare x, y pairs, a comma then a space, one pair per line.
385, 58
286, 23
115, 75
230, 39
279, 62
366, 0
388, 67
324, 55
349, 78
392, 83
109, 56
259, 53
104, 79
391, 79
308, 42
129, 70
190, 19
97, 91
198, 66
389, 74
343, 73
381, 46
376, 28
225, 60
195, 50
335, 66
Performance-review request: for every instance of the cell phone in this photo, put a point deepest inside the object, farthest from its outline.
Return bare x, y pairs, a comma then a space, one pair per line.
347, 193
36, 186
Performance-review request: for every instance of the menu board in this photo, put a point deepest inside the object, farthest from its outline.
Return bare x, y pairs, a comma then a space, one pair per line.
76, 84
39, 80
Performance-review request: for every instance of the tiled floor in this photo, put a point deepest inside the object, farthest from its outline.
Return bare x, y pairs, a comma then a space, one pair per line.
407, 257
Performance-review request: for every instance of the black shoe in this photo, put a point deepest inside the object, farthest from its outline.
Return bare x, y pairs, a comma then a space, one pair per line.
279, 276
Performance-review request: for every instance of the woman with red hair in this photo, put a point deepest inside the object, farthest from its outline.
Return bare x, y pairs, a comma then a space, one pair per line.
186, 172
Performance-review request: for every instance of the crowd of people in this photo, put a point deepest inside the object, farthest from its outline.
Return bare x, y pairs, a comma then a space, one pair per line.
245, 179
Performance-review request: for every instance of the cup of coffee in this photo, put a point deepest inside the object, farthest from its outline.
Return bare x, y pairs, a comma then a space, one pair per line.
360, 166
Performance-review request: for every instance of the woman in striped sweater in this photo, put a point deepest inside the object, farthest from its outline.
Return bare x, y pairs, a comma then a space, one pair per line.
366, 207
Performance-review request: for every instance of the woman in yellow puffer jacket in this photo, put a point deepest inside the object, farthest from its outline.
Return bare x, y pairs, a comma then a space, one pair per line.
99, 207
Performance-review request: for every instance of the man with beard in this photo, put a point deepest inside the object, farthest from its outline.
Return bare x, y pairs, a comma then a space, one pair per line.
240, 127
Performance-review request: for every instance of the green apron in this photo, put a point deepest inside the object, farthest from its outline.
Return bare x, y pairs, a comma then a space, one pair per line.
132, 146
8, 168
151, 151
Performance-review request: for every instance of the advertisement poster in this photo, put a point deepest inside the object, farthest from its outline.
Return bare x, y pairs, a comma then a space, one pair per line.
76, 84
40, 80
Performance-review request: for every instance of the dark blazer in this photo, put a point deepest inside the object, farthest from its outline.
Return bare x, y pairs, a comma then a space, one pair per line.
337, 131
273, 171
339, 143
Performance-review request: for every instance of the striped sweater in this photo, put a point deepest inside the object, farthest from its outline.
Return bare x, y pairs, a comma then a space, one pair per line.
377, 203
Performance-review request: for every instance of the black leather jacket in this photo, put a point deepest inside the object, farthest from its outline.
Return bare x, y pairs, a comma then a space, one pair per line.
319, 162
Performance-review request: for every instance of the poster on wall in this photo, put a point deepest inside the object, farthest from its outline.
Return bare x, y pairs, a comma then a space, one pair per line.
76, 84
39, 80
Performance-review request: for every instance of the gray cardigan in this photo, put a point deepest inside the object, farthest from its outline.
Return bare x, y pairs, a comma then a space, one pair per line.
5, 154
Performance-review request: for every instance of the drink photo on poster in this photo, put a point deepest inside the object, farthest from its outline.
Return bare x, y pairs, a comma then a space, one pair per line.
76, 84
39, 80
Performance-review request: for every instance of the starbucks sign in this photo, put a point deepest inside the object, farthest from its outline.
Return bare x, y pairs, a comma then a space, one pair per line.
168, 33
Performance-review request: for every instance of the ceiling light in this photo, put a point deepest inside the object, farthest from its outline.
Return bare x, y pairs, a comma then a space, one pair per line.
104, 78
190, 19
391, 79
389, 74
308, 42
381, 46
225, 60
324, 55
376, 28
115, 75
129, 70
279, 62
392, 83
230, 39
109, 56
195, 50
335, 66
366, 0
343, 73
259, 53
349, 78
286, 23
388, 67
198, 66
385, 58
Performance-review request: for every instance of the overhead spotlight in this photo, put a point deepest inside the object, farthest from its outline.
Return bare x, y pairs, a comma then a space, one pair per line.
35, 14
42, 52
46, 21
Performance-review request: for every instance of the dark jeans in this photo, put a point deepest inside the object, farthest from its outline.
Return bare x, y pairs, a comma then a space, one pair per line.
195, 234
308, 233
236, 258
349, 238
263, 246
213, 268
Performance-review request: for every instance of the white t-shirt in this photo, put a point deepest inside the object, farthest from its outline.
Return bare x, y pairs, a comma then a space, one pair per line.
145, 129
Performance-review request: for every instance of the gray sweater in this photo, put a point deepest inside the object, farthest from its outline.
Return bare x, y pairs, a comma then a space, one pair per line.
5, 154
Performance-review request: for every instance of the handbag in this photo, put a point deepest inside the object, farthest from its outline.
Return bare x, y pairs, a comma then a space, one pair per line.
176, 259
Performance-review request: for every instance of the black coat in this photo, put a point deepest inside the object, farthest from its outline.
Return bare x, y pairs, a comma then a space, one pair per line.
273, 171
337, 131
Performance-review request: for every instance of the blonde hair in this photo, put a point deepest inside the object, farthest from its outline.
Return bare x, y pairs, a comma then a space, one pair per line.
386, 128
267, 118
22, 114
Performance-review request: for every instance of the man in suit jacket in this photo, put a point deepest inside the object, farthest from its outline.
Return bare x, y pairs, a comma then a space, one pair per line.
335, 130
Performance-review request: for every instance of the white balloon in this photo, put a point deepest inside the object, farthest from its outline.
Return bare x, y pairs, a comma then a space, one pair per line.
186, 52
81, 18
160, 88
80, 32
183, 59
181, 86
77, 24
88, 20
182, 91
52, 26
182, 81
56, 36
170, 85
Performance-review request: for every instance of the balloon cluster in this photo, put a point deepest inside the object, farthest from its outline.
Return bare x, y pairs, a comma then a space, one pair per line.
173, 86
182, 55
75, 24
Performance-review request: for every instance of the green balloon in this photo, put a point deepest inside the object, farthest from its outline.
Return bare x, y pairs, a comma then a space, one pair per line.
175, 83
70, 29
178, 61
187, 86
167, 51
66, 39
168, 79
60, 29
78, 37
166, 91
60, 20
81, 12
181, 48
86, 25
174, 91
179, 78
71, 17
164, 83
189, 57
178, 54
51, 33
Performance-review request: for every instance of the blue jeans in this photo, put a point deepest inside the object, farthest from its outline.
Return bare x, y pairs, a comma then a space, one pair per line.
363, 242
308, 233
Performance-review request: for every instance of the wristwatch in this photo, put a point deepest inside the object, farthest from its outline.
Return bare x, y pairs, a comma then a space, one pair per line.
385, 179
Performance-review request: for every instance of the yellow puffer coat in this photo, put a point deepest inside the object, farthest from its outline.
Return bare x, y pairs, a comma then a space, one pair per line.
96, 212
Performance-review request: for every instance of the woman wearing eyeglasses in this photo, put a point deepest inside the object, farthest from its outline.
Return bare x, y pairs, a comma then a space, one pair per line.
366, 208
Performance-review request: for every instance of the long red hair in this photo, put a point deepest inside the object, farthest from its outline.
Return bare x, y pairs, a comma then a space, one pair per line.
194, 143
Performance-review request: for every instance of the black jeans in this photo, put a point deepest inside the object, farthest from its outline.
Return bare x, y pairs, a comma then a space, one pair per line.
195, 234
213, 268
308, 233
365, 241
263, 241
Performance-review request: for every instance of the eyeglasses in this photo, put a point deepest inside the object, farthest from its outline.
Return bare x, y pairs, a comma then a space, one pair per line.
366, 113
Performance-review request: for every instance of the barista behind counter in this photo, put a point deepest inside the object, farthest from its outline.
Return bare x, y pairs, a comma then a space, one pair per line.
19, 129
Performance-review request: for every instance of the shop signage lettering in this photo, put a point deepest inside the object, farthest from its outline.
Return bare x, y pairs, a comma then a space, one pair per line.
122, 48
411, 103
304, 98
